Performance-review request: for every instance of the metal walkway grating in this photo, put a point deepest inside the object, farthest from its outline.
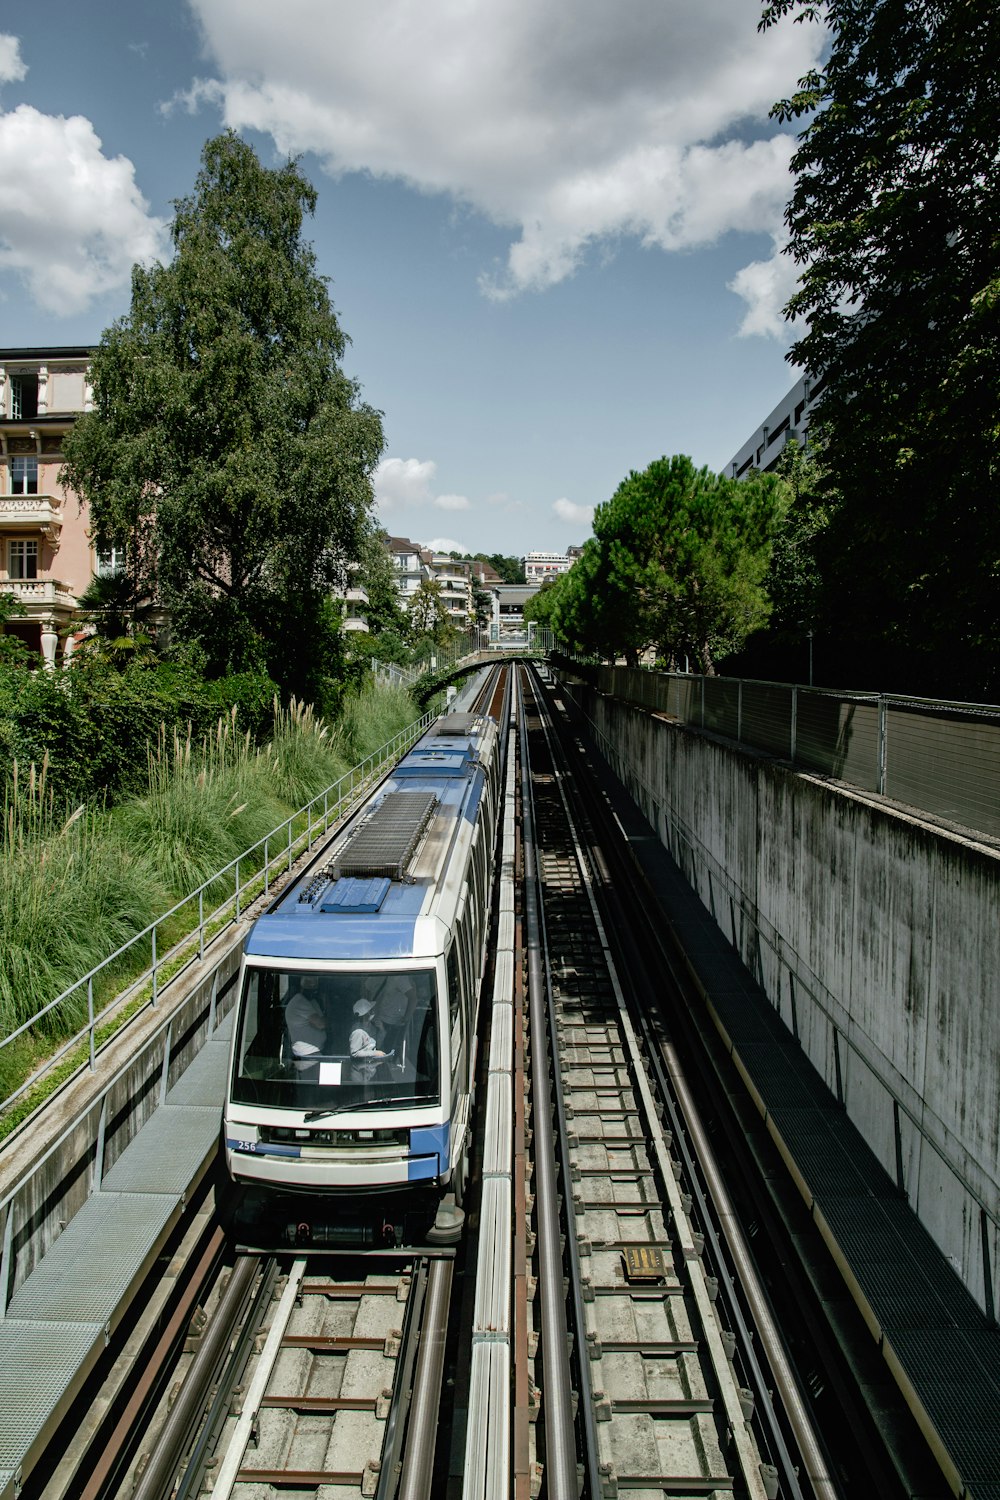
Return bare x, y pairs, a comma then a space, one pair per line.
85, 1275
385, 843
56, 1324
168, 1159
42, 1366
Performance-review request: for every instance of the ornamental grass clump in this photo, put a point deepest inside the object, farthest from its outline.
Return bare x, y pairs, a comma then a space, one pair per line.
302, 758
371, 719
69, 897
207, 803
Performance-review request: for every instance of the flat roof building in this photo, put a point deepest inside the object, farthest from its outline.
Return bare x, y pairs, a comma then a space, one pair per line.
788, 421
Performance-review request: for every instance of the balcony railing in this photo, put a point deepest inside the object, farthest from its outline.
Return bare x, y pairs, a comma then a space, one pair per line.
39, 591
22, 512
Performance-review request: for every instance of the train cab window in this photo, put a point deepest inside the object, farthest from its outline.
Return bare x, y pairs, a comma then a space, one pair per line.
336, 1039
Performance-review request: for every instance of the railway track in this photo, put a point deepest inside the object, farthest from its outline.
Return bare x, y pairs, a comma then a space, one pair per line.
671, 1395
325, 1394
613, 1334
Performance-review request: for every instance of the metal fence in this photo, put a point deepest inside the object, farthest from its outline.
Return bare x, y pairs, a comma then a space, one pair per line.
226, 895
470, 647
939, 757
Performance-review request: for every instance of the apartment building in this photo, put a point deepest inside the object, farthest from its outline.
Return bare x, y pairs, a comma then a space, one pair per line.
414, 564
46, 556
407, 559
455, 582
539, 567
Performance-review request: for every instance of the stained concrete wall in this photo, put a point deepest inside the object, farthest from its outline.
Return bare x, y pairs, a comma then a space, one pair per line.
47, 1167
873, 932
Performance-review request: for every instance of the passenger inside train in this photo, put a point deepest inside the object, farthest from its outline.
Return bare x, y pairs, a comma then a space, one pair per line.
309, 1040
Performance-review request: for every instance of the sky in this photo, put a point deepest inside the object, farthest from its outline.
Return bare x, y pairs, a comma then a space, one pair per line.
551, 228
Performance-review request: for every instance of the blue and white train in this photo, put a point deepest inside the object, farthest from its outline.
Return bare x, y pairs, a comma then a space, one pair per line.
355, 1034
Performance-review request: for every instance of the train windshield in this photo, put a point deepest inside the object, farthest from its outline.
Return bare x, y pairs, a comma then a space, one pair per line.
332, 1041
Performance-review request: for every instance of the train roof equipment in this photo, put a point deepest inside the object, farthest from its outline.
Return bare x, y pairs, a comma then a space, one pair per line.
385, 876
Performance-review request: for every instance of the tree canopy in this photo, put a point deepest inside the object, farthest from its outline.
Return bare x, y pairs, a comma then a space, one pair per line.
429, 613
677, 562
227, 453
895, 223
509, 568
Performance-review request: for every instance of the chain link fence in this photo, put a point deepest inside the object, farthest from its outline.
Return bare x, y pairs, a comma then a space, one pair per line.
939, 757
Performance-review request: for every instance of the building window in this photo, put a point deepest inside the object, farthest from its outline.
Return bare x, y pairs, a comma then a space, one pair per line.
24, 476
23, 397
22, 560
110, 560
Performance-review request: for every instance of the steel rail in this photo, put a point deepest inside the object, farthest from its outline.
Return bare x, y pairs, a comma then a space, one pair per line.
111, 1458
718, 1222
255, 1302
561, 1477
749, 1458
813, 1458
591, 1447
160, 1474
421, 1432
229, 1469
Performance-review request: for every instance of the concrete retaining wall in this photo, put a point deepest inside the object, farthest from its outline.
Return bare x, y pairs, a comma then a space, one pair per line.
874, 933
48, 1167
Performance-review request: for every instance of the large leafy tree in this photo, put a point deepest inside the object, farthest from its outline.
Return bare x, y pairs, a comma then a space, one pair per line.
895, 223
227, 453
677, 561
428, 612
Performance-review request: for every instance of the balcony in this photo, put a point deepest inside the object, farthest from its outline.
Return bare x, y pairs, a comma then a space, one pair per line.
31, 513
39, 593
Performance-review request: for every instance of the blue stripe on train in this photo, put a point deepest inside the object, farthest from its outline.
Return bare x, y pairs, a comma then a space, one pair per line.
430, 1148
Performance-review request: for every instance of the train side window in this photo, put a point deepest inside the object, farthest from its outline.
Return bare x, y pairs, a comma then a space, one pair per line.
454, 986
479, 872
469, 967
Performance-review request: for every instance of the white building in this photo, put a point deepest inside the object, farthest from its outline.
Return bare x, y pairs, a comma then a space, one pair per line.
408, 564
540, 566
455, 581
414, 564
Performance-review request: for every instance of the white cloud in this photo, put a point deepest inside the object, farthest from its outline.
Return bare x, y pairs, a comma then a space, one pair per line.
574, 515
76, 235
403, 481
445, 544
765, 286
12, 69
571, 122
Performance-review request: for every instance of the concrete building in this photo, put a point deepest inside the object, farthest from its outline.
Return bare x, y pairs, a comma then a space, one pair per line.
509, 600
541, 566
789, 420
455, 581
414, 565
46, 555
408, 564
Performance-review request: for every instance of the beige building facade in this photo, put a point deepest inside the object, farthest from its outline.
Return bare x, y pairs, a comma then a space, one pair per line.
46, 555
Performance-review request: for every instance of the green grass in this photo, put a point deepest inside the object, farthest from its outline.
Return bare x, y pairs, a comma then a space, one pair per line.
73, 891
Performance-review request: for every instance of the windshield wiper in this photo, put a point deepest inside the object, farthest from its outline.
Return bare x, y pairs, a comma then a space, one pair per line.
341, 1109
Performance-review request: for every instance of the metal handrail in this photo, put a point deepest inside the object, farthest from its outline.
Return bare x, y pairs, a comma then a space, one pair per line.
938, 756
246, 871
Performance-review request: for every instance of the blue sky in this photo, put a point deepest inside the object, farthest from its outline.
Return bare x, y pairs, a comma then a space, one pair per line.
551, 227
